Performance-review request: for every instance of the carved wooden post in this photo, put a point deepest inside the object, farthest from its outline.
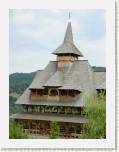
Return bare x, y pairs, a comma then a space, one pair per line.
70, 110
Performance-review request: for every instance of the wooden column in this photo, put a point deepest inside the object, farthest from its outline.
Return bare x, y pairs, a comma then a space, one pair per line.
36, 127
29, 125
44, 109
71, 110
80, 111
65, 110
24, 108
32, 108
41, 109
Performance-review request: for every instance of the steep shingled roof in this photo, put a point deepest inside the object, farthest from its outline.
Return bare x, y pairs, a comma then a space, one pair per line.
102, 86
68, 47
72, 78
55, 80
79, 76
100, 80
42, 76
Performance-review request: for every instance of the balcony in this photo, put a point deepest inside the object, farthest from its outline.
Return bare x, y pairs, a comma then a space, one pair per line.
54, 95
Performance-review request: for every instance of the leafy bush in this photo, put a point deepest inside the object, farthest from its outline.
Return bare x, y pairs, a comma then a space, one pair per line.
16, 131
54, 130
95, 111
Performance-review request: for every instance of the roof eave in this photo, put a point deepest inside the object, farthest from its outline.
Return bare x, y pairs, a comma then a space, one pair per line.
67, 53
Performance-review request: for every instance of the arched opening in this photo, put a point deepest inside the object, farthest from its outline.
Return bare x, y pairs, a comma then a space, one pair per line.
53, 92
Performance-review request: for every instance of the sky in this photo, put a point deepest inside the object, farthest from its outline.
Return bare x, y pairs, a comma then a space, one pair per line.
35, 34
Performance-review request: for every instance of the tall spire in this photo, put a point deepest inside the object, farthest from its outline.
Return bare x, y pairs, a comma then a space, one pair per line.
68, 35
68, 47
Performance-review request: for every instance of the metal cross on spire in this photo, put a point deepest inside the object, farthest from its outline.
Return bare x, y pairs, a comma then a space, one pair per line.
69, 16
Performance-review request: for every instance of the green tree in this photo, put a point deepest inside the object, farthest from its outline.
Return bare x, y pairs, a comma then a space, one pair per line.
16, 131
95, 111
54, 130
13, 108
18, 82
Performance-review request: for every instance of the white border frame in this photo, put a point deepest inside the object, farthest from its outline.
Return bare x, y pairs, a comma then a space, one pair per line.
109, 142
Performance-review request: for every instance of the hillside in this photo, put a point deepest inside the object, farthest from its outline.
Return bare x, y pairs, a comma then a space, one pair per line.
18, 82
99, 69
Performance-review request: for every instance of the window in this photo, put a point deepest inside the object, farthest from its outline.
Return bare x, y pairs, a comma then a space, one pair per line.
72, 93
45, 91
64, 92
33, 91
40, 92
53, 92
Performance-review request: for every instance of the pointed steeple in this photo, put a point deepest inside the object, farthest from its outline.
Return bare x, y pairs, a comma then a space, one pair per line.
68, 47
68, 35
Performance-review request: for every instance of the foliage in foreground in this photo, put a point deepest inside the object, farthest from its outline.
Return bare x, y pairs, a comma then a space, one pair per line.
95, 111
16, 131
54, 130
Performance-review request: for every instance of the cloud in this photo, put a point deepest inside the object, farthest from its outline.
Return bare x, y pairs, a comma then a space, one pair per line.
24, 17
94, 51
28, 60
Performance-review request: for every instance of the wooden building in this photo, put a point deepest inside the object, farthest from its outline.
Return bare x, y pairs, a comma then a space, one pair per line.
58, 93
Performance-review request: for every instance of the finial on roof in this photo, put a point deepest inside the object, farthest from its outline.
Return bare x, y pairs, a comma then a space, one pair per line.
69, 16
